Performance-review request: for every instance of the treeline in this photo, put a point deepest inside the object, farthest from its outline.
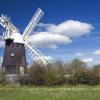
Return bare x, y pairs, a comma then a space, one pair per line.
60, 73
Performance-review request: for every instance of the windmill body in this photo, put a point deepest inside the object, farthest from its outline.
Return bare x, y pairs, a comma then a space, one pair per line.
14, 60
14, 57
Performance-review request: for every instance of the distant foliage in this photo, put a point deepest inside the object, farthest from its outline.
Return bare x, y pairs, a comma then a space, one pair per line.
59, 73
2, 77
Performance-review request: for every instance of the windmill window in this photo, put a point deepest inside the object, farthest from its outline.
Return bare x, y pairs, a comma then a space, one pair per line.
12, 54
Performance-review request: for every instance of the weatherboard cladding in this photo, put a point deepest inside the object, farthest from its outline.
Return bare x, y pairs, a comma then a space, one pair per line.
14, 57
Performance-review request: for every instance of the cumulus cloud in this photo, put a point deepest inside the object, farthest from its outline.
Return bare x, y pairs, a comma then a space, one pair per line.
70, 28
79, 54
87, 60
1, 59
47, 39
52, 35
49, 58
2, 44
97, 53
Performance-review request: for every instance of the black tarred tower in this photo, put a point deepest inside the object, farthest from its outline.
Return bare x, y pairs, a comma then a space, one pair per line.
14, 60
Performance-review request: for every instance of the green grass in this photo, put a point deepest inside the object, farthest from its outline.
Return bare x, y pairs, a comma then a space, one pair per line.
50, 93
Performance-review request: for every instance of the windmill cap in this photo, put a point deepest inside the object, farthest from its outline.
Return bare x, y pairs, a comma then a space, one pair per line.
17, 37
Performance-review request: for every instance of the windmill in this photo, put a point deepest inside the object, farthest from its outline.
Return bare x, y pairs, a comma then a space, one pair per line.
14, 60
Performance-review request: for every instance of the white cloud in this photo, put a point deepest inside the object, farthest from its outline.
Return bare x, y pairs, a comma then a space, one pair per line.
53, 35
79, 54
49, 58
2, 44
69, 28
46, 39
1, 59
97, 52
87, 60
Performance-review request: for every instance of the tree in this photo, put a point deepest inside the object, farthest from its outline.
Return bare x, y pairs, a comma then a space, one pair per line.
96, 73
76, 66
75, 69
36, 73
96, 70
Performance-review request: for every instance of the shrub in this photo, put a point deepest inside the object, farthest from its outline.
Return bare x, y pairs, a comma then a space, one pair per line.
51, 74
24, 80
86, 77
2, 77
59, 73
36, 74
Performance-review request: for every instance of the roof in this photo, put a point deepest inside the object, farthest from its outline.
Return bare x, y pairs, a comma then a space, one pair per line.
17, 37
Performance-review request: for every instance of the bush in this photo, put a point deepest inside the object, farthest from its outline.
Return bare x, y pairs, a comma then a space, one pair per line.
59, 73
24, 80
2, 77
86, 77
51, 74
36, 73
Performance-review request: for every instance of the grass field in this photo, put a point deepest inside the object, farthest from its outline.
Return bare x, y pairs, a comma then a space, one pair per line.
50, 93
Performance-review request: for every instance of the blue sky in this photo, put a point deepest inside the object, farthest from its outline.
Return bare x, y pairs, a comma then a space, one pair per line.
57, 13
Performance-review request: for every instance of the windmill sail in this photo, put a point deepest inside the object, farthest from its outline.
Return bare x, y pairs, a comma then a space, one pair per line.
33, 22
4, 21
36, 54
7, 24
